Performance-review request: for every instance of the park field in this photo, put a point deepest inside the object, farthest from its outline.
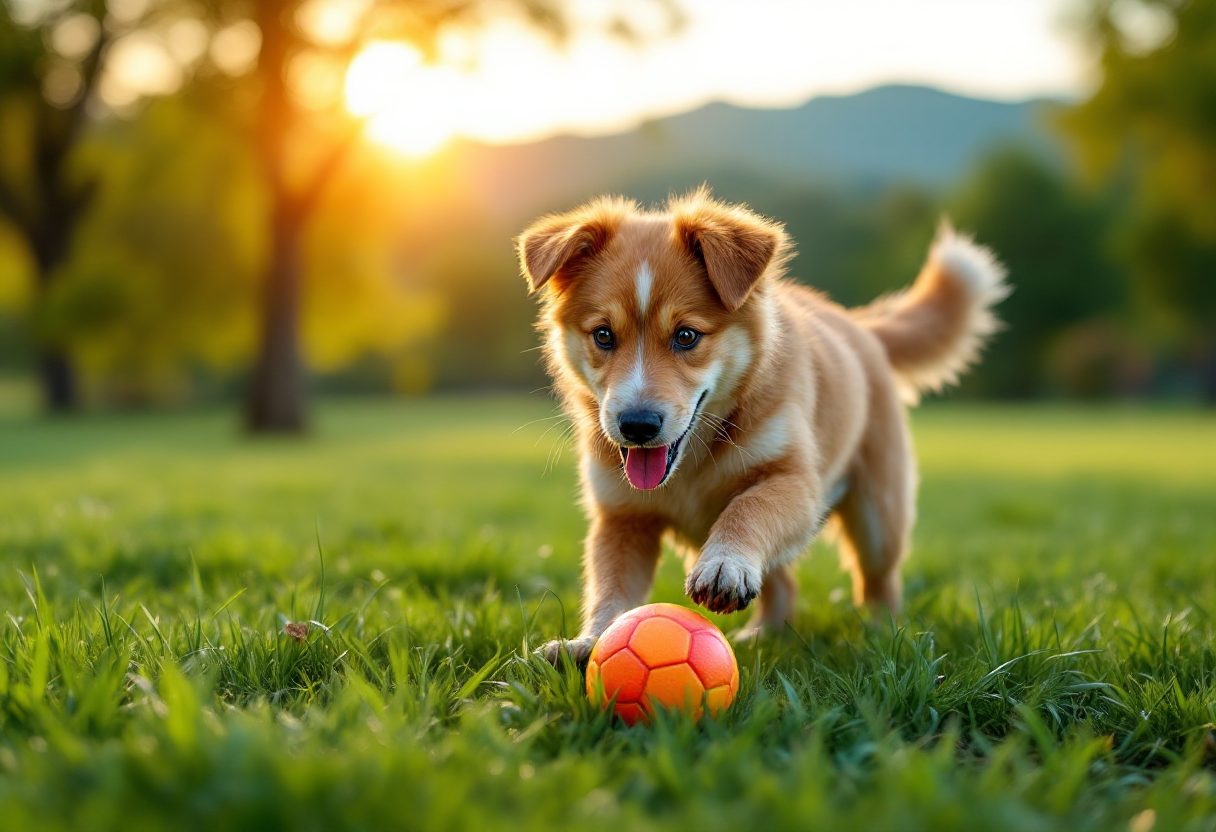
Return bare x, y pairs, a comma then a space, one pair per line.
1054, 668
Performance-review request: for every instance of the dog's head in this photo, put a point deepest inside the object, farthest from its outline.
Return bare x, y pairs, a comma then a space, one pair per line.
655, 315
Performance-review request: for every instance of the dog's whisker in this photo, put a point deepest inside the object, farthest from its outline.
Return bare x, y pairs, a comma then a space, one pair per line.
547, 432
716, 422
553, 457
708, 450
535, 421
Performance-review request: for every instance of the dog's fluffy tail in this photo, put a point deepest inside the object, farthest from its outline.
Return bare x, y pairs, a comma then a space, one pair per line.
934, 330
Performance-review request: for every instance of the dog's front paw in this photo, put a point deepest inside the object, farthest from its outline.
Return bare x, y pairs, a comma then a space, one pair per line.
723, 583
579, 649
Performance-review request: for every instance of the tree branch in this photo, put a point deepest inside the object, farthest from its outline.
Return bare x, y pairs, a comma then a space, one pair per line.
10, 206
57, 134
307, 199
90, 71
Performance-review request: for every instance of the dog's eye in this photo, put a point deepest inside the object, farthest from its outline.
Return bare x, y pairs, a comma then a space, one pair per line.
603, 338
686, 338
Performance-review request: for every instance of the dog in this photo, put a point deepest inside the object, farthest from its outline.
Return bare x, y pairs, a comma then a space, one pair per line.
721, 405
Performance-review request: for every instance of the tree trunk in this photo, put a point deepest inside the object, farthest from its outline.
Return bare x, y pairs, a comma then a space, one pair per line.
1208, 376
59, 392
276, 402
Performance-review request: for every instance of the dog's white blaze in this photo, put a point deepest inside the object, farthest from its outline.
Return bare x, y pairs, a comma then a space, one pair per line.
645, 279
628, 395
634, 385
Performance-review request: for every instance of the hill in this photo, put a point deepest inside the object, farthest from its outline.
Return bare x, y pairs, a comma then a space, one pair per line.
886, 135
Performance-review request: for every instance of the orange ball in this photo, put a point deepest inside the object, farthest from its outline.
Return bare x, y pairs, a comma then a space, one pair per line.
662, 655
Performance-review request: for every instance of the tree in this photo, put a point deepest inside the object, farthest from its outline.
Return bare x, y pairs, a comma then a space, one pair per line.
257, 67
1149, 134
160, 284
299, 151
1051, 237
50, 63
99, 191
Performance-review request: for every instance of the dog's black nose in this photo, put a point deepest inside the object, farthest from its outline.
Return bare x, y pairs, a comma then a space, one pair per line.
640, 426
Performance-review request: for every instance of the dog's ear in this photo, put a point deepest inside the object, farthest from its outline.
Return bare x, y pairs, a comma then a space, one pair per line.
736, 247
561, 243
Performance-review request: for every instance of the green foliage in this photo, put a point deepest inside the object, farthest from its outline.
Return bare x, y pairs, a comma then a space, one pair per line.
1052, 239
21, 48
164, 269
360, 297
154, 222
170, 216
1069, 329
1150, 132
486, 337
857, 245
1054, 669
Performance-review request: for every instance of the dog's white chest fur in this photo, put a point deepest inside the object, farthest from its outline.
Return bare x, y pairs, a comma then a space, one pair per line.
705, 481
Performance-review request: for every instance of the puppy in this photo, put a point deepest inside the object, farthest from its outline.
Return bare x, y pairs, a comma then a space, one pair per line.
735, 411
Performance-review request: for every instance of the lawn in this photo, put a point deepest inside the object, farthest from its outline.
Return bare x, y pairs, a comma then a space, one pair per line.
1054, 669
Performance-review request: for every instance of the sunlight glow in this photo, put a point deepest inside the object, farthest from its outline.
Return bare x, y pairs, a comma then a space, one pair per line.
411, 108
504, 82
411, 133
332, 22
377, 74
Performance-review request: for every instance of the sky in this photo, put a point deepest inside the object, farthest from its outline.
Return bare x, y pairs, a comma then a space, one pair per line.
515, 86
764, 54
507, 82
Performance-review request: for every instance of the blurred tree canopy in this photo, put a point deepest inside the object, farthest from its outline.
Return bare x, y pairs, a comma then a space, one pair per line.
190, 190
1065, 332
1052, 238
216, 213
1149, 133
148, 220
858, 245
163, 266
303, 137
50, 62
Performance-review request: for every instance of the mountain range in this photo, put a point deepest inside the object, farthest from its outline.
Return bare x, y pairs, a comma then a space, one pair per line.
870, 140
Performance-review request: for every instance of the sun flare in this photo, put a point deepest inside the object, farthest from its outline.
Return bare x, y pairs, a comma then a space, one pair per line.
504, 82
472, 89
412, 134
376, 73
409, 107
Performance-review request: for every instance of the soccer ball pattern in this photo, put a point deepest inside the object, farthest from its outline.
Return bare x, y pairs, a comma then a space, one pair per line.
662, 655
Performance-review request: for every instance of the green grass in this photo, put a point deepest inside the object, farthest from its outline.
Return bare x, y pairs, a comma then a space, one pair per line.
1055, 668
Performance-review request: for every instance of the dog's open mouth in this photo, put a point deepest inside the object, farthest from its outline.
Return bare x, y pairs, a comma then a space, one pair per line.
648, 468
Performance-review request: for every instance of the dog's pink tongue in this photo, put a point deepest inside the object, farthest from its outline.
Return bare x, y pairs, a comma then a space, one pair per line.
645, 467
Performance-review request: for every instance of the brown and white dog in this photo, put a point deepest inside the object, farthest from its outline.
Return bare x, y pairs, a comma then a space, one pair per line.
733, 410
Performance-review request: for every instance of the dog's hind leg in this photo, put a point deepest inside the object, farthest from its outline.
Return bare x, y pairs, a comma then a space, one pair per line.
774, 604
878, 509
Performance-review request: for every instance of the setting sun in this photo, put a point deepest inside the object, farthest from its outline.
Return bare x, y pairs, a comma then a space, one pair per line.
410, 107
377, 73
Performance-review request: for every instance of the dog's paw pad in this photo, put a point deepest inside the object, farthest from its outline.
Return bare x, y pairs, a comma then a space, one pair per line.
579, 650
723, 584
